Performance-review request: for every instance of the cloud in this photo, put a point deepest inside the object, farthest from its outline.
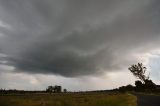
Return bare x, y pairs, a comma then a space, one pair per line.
77, 38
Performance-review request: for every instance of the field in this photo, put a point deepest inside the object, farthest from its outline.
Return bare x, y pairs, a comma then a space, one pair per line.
69, 99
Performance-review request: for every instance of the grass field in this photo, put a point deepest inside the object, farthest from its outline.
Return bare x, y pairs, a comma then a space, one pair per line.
69, 99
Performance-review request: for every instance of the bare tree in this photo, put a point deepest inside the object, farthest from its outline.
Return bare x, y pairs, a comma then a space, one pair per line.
139, 71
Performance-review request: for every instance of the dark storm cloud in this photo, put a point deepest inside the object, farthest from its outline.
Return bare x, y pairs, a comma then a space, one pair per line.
74, 38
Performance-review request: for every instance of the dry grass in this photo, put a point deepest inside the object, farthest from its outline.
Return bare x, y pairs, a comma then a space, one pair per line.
69, 99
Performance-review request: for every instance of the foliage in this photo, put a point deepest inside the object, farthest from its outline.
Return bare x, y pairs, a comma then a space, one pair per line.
149, 84
126, 88
139, 86
139, 71
64, 90
56, 89
138, 83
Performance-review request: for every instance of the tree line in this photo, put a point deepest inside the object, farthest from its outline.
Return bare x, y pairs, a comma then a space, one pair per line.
49, 89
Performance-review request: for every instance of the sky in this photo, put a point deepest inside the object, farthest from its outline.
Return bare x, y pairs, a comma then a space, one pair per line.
78, 44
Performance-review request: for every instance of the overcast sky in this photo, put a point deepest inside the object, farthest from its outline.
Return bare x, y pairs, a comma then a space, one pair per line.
79, 44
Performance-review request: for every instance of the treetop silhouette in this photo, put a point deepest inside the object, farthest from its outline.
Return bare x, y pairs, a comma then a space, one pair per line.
138, 70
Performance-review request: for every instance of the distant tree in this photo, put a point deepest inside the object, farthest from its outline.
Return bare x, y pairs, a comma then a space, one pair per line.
50, 89
129, 87
138, 83
139, 86
139, 71
55, 89
149, 84
64, 90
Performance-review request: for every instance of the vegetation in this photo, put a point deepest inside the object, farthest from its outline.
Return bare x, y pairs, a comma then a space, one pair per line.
143, 84
69, 99
139, 71
55, 89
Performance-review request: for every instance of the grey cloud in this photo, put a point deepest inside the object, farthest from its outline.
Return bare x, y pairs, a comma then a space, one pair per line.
74, 38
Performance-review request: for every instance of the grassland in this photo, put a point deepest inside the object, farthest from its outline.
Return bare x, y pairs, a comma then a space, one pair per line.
69, 99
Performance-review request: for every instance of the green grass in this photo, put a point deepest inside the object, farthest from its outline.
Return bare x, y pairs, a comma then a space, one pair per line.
69, 99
